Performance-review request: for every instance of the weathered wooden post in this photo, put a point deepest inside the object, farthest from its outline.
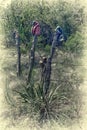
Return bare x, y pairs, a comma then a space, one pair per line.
35, 33
48, 69
17, 39
32, 59
45, 64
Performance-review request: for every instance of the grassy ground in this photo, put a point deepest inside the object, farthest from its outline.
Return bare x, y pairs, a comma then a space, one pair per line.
6, 120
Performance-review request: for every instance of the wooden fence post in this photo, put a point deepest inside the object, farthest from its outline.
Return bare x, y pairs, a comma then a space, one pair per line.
17, 38
48, 69
32, 59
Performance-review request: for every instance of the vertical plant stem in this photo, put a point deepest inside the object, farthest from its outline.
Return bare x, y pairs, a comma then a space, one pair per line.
17, 38
48, 66
32, 59
45, 78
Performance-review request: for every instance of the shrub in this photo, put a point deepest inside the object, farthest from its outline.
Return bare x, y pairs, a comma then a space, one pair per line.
19, 15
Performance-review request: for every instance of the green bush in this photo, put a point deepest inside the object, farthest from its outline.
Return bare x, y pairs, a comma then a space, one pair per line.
19, 15
75, 43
